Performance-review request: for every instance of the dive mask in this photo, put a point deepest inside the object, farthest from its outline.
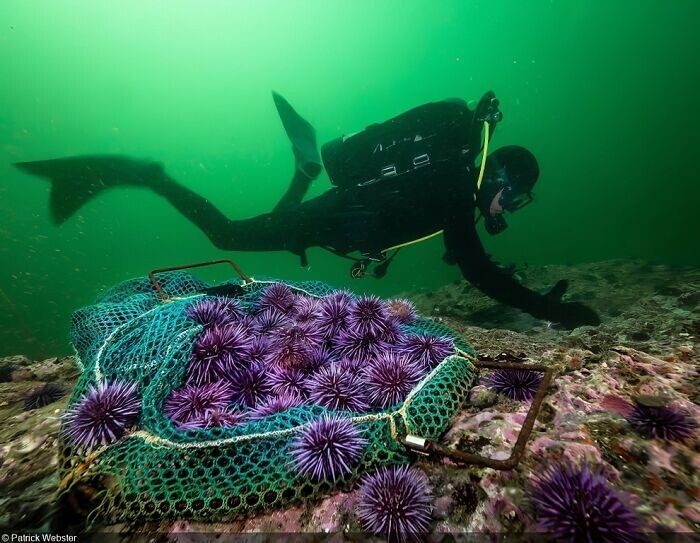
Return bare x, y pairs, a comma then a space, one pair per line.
510, 200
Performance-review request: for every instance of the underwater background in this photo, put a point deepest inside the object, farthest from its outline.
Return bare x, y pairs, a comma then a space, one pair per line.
604, 94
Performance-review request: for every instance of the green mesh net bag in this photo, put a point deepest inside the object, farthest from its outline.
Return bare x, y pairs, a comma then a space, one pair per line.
214, 407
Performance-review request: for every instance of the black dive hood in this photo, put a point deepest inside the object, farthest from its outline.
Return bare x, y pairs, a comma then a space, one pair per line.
514, 170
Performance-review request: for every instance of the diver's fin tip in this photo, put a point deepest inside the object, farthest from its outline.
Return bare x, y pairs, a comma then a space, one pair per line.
280, 103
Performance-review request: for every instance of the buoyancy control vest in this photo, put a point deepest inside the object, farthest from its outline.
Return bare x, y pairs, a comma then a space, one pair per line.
422, 137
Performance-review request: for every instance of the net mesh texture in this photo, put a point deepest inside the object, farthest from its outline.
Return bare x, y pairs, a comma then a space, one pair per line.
158, 470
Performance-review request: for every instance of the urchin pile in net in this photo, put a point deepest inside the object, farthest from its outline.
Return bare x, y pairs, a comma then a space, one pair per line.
216, 407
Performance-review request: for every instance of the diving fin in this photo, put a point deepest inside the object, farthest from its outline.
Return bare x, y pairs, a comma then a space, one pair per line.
76, 180
303, 138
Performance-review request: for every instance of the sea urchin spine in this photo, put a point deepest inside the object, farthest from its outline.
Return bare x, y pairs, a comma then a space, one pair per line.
102, 415
43, 396
427, 349
192, 402
390, 378
215, 311
395, 503
328, 448
336, 389
520, 385
578, 505
667, 423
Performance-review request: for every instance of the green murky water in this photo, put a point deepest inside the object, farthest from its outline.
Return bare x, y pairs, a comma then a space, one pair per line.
604, 93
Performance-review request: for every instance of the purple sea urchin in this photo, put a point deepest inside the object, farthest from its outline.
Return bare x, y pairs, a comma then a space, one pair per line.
369, 315
395, 503
289, 355
334, 312
270, 321
306, 335
306, 309
215, 311
358, 346
218, 417
102, 415
192, 402
217, 351
275, 404
393, 333
667, 423
250, 385
578, 505
390, 378
427, 349
401, 310
317, 358
278, 296
261, 351
350, 365
43, 396
520, 385
287, 381
328, 448
336, 389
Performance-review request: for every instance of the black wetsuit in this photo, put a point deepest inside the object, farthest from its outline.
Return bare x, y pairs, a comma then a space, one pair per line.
368, 219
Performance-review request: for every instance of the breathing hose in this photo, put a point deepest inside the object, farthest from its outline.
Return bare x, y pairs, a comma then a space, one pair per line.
483, 155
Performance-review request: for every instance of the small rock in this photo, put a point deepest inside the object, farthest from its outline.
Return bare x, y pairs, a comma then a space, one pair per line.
443, 507
10, 364
47, 370
689, 298
480, 396
692, 513
18, 360
652, 401
21, 375
685, 352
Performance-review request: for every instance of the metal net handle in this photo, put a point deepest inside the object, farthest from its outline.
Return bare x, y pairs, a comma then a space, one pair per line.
156, 285
428, 447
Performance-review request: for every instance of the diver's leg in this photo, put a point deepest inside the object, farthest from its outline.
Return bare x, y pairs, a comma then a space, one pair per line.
76, 180
307, 160
266, 232
295, 193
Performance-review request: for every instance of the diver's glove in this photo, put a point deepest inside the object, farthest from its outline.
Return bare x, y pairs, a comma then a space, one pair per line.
487, 109
568, 314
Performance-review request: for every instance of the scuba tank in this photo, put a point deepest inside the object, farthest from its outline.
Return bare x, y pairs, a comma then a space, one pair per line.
419, 138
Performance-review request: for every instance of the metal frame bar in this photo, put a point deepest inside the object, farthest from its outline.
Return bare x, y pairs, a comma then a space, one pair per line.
429, 447
159, 289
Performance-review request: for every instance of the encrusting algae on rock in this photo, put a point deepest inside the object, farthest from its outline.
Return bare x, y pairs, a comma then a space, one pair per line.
586, 426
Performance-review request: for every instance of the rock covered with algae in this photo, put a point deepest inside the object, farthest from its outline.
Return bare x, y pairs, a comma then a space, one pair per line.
646, 351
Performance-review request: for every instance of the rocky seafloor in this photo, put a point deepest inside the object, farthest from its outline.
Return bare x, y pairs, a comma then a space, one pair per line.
646, 349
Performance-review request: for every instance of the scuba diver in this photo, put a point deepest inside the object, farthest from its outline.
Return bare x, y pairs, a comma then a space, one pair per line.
395, 183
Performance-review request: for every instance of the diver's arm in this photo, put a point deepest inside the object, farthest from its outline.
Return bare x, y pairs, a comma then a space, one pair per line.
465, 249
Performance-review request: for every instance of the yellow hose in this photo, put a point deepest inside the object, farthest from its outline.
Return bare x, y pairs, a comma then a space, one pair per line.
414, 241
483, 155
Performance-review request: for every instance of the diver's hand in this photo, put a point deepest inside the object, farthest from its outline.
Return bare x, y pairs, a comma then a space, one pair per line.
568, 314
573, 314
556, 292
487, 109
